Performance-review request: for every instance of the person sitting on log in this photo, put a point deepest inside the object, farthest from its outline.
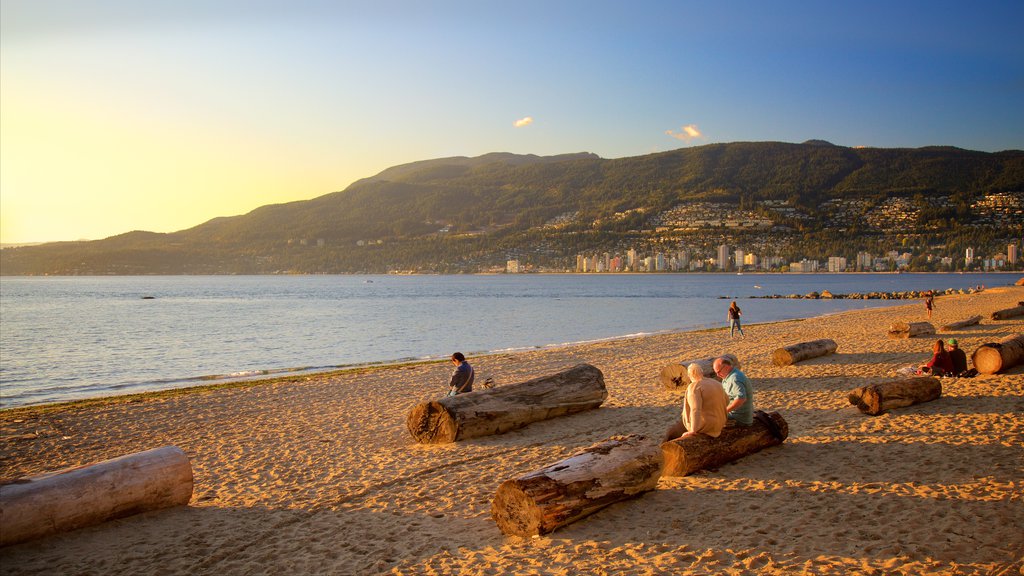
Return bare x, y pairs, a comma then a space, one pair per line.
462, 376
741, 394
940, 364
957, 357
703, 407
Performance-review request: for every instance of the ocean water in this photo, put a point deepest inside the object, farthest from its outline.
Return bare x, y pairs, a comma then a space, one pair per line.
66, 338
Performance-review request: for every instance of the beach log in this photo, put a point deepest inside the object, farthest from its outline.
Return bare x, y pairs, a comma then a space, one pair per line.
1000, 356
674, 376
910, 329
498, 410
1008, 313
794, 353
616, 469
684, 456
961, 324
86, 495
875, 399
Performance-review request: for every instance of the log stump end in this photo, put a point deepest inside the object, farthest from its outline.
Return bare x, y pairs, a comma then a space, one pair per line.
431, 423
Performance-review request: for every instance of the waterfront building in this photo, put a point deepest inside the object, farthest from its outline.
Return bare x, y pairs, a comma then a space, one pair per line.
723, 257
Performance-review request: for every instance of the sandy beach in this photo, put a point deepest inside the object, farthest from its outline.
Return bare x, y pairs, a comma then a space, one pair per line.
318, 475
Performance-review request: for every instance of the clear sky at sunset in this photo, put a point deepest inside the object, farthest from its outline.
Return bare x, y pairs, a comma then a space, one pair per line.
162, 114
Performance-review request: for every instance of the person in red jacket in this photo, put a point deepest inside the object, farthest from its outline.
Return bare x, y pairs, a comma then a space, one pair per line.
940, 364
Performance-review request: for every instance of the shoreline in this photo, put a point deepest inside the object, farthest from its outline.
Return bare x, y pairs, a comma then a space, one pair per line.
291, 474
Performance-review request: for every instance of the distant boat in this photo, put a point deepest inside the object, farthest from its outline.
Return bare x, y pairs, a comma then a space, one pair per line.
739, 273
758, 286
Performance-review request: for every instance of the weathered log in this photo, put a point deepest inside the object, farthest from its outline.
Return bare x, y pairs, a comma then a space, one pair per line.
961, 324
910, 329
674, 376
1008, 313
616, 469
874, 399
797, 352
1000, 356
86, 495
498, 410
684, 456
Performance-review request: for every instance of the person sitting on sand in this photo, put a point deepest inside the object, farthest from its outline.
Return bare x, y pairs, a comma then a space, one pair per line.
741, 394
703, 407
940, 364
462, 377
734, 319
957, 357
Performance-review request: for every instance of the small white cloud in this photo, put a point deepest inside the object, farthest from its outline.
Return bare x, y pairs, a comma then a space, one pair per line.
523, 122
686, 133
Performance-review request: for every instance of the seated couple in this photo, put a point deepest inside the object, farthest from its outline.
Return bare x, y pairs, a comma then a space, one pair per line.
709, 406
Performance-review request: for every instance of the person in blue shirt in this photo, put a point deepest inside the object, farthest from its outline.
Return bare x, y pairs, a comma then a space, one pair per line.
462, 377
737, 387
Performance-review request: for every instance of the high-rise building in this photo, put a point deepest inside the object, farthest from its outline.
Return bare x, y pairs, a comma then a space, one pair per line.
631, 260
864, 261
723, 257
738, 258
512, 267
969, 256
1011, 254
836, 264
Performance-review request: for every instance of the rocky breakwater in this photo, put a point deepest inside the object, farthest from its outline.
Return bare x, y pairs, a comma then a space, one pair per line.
906, 295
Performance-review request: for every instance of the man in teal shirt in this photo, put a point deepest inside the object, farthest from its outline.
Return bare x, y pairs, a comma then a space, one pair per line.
737, 387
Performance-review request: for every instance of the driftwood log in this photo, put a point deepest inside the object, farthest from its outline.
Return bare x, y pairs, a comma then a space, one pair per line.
794, 353
687, 455
874, 399
674, 376
1008, 313
910, 329
961, 324
86, 495
498, 410
616, 469
1000, 356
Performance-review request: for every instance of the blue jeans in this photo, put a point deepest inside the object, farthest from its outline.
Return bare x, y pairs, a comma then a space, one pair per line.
734, 325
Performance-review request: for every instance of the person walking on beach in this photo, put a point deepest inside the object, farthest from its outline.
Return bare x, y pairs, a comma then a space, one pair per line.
741, 394
734, 319
929, 303
703, 407
462, 376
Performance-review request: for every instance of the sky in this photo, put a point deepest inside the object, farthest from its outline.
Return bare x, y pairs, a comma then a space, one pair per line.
121, 115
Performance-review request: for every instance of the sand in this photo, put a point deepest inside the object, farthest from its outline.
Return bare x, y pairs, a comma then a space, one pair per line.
317, 475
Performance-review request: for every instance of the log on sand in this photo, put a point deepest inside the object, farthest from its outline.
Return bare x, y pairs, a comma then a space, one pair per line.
688, 455
797, 352
87, 495
1000, 356
498, 410
910, 329
961, 324
875, 399
616, 469
674, 376
1008, 313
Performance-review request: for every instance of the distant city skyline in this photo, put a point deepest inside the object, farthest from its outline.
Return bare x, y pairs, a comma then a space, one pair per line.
161, 115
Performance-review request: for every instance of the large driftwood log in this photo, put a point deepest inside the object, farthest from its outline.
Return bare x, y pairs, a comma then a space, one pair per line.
1008, 313
797, 352
1000, 356
618, 468
674, 376
875, 399
498, 410
910, 329
688, 455
87, 495
961, 324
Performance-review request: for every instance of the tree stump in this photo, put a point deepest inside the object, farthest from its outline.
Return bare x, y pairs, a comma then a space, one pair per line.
875, 399
961, 324
910, 329
687, 455
498, 410
674, 376
996, 357
1008, 313
86, 495
794, 353
616, 469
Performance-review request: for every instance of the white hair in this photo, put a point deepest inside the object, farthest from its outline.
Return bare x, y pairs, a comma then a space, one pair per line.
695, 372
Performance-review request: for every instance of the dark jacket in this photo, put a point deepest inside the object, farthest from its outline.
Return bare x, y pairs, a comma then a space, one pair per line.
959, 360
462, 379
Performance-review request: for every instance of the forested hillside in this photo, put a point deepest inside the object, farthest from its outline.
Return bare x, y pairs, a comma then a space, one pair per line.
470, 214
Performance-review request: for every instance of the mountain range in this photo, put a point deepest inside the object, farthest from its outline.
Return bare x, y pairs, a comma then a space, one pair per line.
464, 214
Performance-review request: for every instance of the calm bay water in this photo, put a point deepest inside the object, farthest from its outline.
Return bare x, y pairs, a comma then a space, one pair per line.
67, 338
